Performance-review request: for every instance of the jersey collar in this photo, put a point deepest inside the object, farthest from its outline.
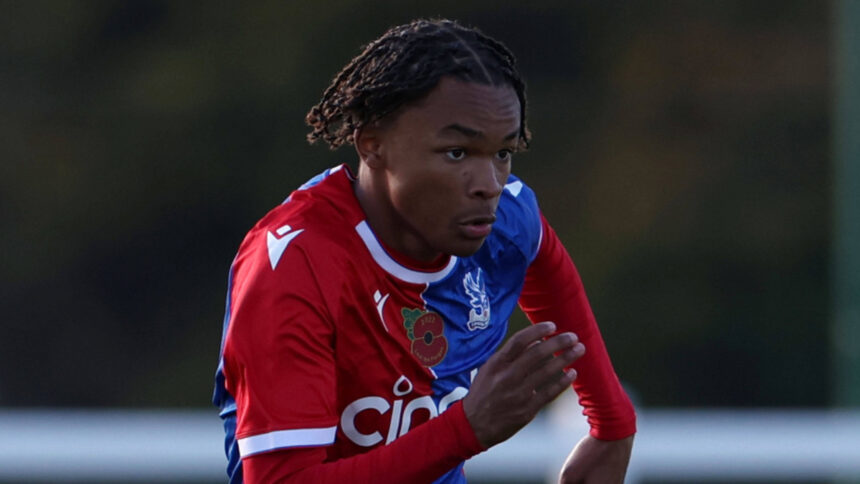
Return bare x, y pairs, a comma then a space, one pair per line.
384, 260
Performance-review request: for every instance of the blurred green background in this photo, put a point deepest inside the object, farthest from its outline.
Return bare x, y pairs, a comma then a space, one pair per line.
681, 149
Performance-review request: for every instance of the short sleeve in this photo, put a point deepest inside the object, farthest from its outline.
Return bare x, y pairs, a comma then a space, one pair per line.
279, 351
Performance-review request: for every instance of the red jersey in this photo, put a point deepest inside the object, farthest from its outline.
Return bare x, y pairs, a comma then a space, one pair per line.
340, 358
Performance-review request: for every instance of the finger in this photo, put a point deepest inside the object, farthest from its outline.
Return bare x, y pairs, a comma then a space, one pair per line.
537, 355
553, 367
545, 337
548, 392
523, 338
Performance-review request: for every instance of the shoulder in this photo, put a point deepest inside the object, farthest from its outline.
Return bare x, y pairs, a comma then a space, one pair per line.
518, 217
285, 272
305, 234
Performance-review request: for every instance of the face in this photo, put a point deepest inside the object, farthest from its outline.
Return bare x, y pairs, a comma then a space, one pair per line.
431, 178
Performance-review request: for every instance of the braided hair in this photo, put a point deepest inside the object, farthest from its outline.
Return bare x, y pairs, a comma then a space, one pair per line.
404, 65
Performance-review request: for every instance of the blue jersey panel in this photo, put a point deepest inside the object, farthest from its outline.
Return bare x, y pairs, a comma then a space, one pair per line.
454, 476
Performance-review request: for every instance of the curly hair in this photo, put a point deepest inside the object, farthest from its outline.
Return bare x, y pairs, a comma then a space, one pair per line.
402, 66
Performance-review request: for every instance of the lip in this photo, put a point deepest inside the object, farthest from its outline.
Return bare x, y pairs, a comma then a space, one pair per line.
477, 227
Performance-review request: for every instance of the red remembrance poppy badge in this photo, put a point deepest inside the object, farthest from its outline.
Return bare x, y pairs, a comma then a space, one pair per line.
426, 331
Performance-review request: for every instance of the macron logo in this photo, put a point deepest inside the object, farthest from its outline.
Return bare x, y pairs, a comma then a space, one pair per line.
278, 243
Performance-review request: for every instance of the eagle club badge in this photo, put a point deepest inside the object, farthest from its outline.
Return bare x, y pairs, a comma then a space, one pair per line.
479, 315
426, 331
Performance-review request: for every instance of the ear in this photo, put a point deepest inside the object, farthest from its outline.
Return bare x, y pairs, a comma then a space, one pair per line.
368, 145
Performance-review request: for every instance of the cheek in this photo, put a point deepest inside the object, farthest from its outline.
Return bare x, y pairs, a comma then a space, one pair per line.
427, 204
420, 205
503, 171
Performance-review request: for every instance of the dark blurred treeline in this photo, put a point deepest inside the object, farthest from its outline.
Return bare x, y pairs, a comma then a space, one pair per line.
681, 150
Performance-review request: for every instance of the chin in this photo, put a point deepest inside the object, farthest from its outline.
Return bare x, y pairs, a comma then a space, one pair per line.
466, 248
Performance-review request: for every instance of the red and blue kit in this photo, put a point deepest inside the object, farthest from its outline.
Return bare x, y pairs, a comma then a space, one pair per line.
343, 361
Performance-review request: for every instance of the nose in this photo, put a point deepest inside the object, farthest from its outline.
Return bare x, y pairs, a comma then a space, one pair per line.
487, 179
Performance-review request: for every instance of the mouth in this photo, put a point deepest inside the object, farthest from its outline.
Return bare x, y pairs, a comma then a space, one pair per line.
477, 227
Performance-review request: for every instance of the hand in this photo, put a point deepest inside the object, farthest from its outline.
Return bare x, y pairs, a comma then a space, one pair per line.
597, 461
519, 380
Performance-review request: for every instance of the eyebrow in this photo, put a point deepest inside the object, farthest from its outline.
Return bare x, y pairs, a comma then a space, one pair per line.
473, 133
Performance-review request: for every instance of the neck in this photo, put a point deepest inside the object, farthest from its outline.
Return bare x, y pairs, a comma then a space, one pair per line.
370, 188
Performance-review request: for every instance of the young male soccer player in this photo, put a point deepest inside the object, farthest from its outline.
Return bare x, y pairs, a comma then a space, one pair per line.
365, 313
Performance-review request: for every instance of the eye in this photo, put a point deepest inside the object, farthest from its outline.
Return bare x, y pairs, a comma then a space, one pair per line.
456, 154
505, 155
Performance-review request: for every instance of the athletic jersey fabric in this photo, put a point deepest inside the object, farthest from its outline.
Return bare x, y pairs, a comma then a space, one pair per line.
341, 359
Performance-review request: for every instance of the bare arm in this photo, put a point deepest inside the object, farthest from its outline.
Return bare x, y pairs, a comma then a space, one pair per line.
596, 461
